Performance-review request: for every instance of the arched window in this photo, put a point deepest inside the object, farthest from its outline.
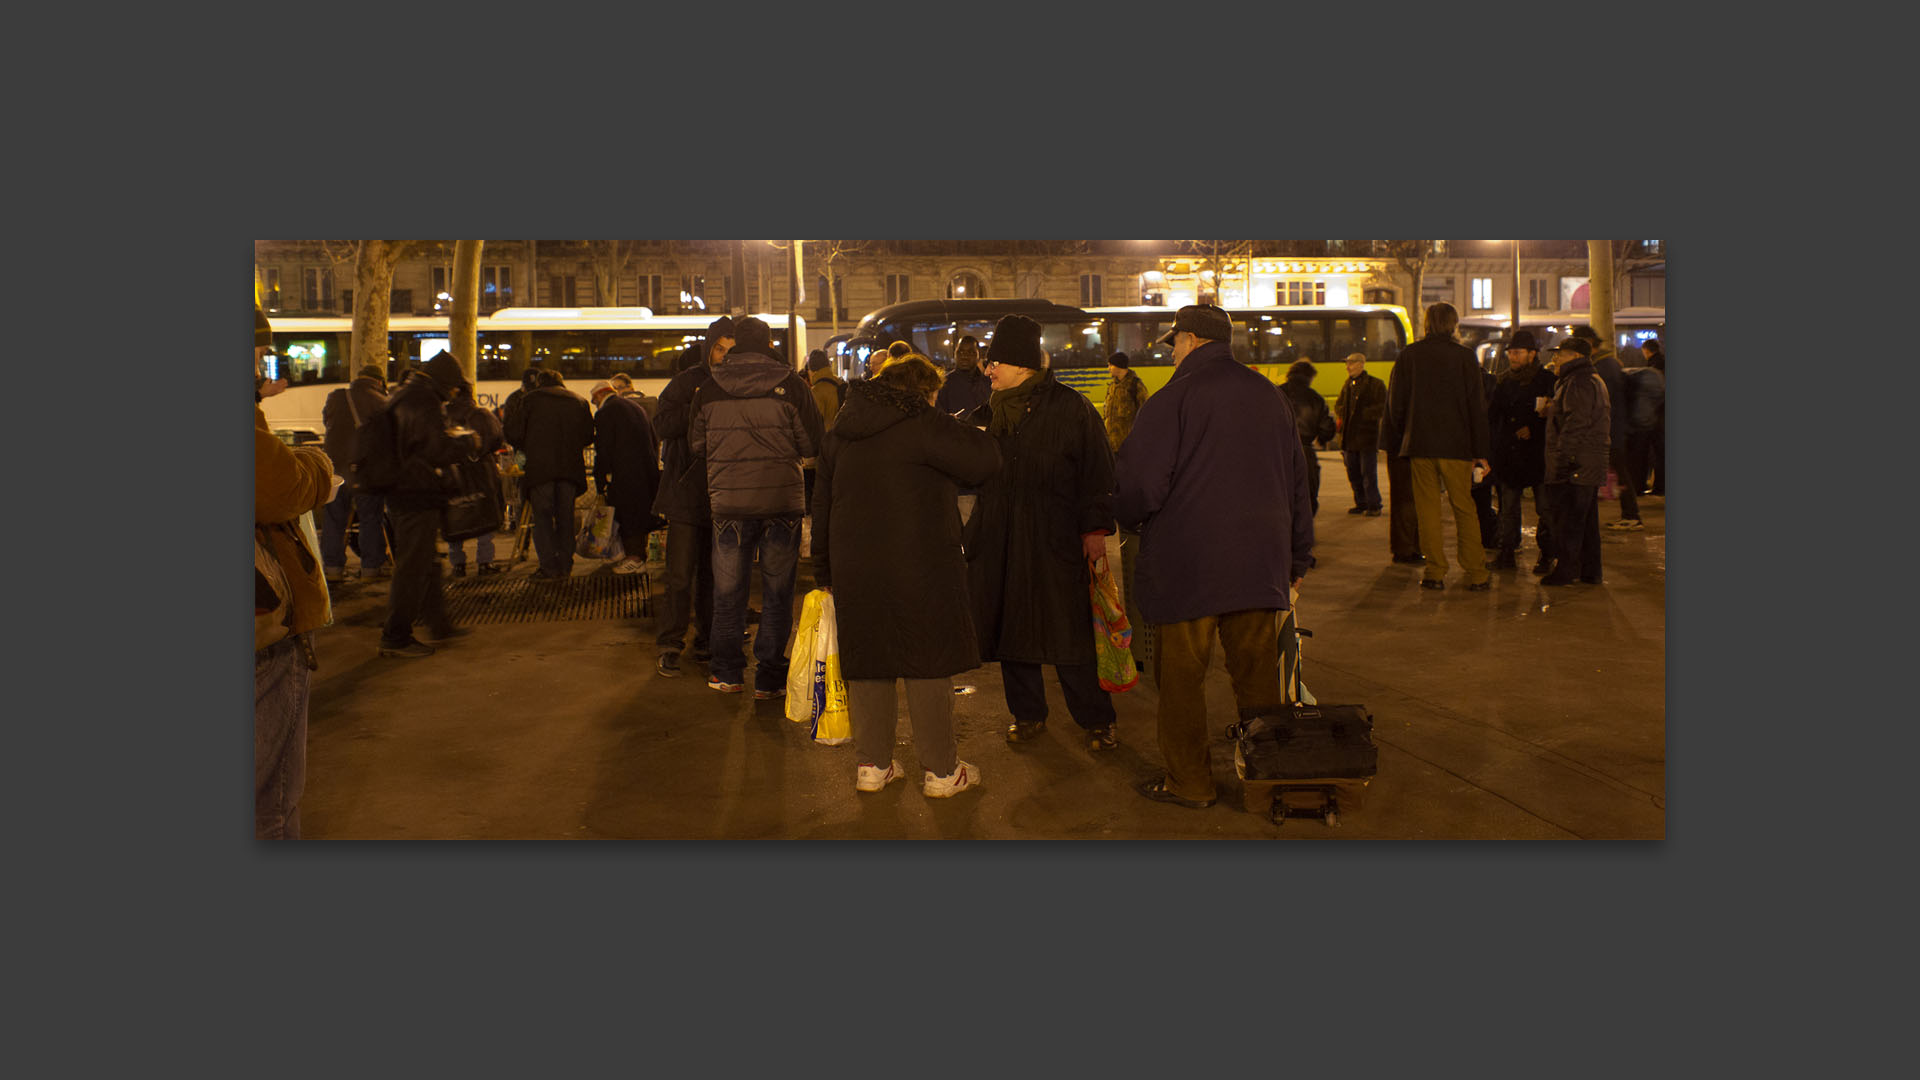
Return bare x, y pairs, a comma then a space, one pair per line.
966, 285
1378, 296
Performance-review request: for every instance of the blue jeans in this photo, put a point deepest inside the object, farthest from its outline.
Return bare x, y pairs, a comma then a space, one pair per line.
281, 681
483, 548
552, 507
1363, 475
333, 529
1508, 534
735, 541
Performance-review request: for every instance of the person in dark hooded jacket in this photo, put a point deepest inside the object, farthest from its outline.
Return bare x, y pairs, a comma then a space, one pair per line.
753, 423
1312, 418
428, 442
886, 537
345, 410
681, 497
1579, 427
553, 426
626, 470
1040, 525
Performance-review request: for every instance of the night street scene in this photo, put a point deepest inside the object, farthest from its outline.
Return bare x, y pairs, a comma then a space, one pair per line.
975, 539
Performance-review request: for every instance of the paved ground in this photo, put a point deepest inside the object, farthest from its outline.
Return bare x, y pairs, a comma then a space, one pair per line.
1524, 712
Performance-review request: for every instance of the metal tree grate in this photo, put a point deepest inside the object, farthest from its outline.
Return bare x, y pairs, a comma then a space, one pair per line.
516, 600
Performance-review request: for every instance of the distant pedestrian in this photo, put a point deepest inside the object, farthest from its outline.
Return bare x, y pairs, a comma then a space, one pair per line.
1646, 407
427, 441
683, 500
553, 426
1657, 360
1579, 424
1311, 418
1357, 412
1215, 478
1125, 394
342, 415
1041, 524
753, 422
626, 472
1436, 402
1519, 439
465, 412
1606, 364
828, 393
887, 545
290, 602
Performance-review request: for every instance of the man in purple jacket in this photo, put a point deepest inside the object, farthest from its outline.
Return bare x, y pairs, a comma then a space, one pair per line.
1222, 546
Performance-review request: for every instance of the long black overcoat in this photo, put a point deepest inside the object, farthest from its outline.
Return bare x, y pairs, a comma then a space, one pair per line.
1025, 564
886, 533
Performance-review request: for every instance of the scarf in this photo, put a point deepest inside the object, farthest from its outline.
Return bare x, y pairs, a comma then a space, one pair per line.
1010, 405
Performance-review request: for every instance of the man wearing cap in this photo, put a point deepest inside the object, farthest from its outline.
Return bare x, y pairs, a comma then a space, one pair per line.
1357, 412
1437, 403
626, 471
345, 410
553, 426
427, 441
1520, 450
1214, 477
683, 500
753, 423
1039, 526
1579, 427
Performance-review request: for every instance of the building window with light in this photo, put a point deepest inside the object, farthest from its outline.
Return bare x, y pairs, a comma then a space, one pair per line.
496, 287
1090, 291
1483, 294
966, 285
442, 295
273, 289
1651, 248
693, 293
897, 292
650, 295
1301, 293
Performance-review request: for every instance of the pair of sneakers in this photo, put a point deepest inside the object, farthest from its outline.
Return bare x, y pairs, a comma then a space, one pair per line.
1626, 525
965, 776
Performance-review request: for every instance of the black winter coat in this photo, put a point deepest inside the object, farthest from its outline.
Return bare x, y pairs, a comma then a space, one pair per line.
1026, 568
553, 426
626, 455
427, 443
1578, 422
1519, 462
1437, 402
338, 416
1363, 401
886, 533
1607, 366
682, 494
1311, 416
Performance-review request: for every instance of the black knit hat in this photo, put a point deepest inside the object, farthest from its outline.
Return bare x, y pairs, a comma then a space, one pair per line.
1016, 341
1120, 360
753, 335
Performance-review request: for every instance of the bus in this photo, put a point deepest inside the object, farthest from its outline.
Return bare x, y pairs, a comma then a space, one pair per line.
585, 345
1078, 341
1486, 335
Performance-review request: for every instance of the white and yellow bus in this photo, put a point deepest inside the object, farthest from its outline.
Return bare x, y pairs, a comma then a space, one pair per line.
586, 345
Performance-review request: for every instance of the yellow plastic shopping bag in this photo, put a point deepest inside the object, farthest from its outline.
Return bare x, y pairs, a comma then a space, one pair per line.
816, 692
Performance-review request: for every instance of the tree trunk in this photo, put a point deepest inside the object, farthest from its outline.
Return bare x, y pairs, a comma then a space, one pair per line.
462, 337
833, 297
372, 300
1417, 308
1600, 288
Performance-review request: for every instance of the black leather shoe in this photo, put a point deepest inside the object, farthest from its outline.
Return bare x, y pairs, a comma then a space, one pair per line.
1557, 578
1590, 581
1018, 732
1373, 513
1358, 510
1432, 583
1411, 560
1545, 567
1480, 587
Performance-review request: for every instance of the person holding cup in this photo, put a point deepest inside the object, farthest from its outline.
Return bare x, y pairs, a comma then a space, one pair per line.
1518, 427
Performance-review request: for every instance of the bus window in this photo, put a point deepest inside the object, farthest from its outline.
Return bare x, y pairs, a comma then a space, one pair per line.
1139, 338
1299, 338
1376, 335
1073, 345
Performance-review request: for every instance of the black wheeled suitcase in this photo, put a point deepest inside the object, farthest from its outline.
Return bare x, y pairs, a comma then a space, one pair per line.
1301, 760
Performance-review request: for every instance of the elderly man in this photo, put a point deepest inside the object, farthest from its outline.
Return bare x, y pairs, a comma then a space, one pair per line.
1357, 412
1041, 523
1437, 403
1215, 477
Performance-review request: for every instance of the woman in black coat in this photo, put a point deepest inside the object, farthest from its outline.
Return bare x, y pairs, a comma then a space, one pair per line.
886, 543
626, 471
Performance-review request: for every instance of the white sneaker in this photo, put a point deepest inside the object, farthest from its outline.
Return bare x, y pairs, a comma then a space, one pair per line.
964, 777
873, 777
629, 566
1625, 525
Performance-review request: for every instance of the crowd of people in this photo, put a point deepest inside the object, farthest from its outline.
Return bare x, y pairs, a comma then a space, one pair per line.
958, 518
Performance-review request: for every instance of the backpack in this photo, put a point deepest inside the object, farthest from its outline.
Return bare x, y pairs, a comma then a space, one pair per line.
376, 453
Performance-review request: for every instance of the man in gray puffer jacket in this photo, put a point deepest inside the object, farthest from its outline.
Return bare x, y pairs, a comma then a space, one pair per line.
1579, 438
754, 421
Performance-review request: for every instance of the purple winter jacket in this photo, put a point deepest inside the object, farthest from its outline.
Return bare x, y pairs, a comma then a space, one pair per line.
1214, 480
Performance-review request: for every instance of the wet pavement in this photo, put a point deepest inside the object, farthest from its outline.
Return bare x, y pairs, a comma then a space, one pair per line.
1525, 712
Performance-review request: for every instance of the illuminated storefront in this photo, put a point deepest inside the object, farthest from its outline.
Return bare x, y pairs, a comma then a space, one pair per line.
1238, 283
